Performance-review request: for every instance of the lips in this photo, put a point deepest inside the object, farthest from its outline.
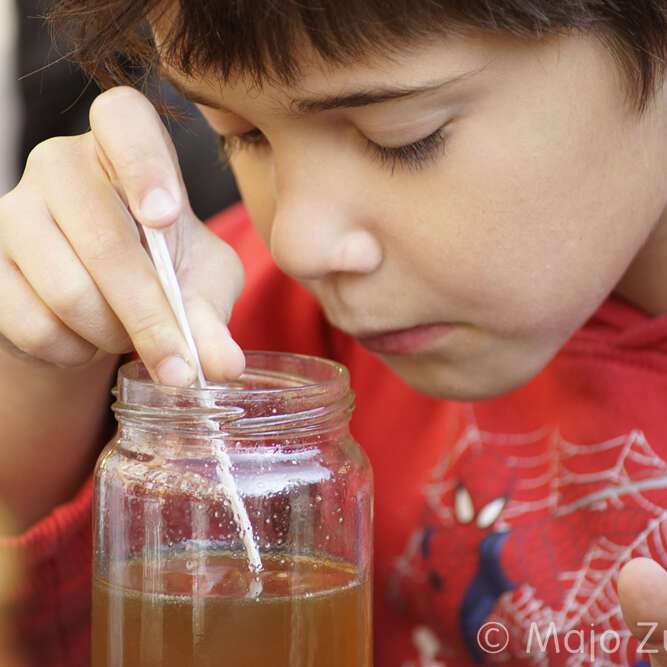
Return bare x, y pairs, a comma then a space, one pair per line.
405, 341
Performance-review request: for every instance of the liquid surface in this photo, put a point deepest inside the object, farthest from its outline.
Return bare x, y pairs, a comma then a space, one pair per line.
194, 610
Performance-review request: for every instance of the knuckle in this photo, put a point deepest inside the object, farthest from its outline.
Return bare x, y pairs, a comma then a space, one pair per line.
38, 337
116, 341
70, 300
51, 152
108, 245
236, 272
77, 354
148, 330
106, 103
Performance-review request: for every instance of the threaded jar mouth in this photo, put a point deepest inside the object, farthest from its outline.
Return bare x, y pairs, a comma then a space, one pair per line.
276, 392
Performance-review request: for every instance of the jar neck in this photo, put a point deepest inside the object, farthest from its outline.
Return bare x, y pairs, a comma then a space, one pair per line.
278, 396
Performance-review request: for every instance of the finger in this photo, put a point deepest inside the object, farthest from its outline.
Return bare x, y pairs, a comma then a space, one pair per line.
136, 151
220, 356
211, 278
52, 269
32, 328
642, 591
102, 233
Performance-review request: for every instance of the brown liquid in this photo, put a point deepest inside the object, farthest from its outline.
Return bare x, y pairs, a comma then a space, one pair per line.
310, 614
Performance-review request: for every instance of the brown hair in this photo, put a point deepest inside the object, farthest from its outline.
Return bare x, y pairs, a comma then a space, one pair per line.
258, 37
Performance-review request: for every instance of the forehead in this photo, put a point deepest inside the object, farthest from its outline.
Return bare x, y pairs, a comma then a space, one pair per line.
321, 84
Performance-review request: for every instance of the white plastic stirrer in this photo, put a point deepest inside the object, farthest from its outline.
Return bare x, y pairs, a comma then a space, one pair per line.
159, 250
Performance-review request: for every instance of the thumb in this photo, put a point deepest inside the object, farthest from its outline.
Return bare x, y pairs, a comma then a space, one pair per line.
642, 591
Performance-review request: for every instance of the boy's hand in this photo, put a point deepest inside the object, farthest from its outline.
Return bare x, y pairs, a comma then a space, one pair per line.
76, 285
642, 590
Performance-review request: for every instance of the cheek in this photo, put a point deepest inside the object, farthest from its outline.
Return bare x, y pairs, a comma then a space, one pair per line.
544, 221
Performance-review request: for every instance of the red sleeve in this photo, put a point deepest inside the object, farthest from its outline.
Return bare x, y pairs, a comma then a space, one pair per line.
50, 612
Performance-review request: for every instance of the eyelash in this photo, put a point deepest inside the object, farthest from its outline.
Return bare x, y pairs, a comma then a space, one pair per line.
411, 157
414, 156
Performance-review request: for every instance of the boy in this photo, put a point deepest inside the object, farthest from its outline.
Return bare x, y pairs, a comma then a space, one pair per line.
475, 193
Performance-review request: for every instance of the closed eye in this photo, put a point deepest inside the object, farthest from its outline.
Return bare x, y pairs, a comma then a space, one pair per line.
229, 145
412, 156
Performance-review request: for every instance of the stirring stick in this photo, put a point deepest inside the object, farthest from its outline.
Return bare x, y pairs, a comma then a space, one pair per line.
157, 245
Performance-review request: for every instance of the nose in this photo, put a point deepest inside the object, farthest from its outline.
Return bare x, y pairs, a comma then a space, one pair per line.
314, 235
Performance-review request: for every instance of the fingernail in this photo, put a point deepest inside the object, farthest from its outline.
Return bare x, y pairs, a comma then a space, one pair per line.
158, 205
175, 372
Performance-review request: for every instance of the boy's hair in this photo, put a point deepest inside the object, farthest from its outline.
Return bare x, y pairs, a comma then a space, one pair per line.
260, 37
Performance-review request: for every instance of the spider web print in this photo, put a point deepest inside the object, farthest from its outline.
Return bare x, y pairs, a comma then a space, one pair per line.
559, 480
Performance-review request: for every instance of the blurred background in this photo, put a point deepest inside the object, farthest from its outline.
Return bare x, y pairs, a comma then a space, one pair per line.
38, 101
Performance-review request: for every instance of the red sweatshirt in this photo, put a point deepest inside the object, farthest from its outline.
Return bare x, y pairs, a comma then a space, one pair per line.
500, 526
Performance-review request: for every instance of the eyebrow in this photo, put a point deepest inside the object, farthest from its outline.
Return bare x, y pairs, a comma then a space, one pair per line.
363, 98
357, 98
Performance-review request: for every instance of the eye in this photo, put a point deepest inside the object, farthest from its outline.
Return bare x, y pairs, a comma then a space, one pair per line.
412, 156
229, 145
490, 512
464, 510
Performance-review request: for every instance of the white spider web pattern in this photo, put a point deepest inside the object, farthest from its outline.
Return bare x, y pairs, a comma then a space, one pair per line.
630, 474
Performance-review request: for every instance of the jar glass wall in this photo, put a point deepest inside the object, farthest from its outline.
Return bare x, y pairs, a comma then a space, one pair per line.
172, 583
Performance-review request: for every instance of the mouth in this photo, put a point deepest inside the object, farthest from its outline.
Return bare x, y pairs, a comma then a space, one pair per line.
405, 341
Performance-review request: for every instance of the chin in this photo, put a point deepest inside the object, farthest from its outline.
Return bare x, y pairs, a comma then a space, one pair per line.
463, 381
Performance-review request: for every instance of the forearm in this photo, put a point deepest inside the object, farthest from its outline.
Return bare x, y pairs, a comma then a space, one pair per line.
52, 425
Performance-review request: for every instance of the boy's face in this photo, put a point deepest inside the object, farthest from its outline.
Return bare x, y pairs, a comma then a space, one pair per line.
529, 188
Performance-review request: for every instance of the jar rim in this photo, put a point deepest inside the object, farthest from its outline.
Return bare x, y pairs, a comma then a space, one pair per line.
135, 372
281, 391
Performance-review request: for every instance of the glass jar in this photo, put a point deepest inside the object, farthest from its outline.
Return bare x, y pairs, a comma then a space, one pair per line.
172, 584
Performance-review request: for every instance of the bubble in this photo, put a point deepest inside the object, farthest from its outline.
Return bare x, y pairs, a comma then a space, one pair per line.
318, 498
189, 565
267, 521
340, 519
